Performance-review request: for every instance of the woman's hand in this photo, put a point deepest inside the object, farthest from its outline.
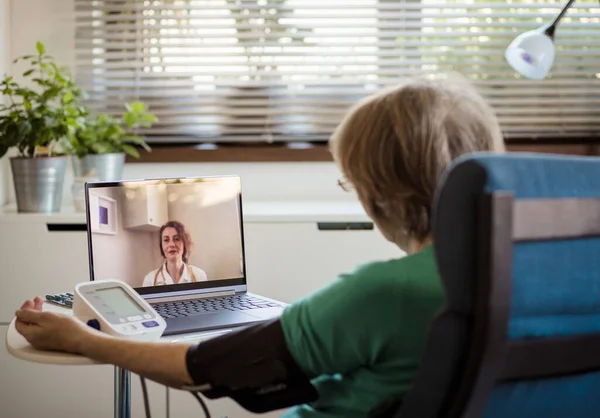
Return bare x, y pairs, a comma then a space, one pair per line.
50, 330
164, 362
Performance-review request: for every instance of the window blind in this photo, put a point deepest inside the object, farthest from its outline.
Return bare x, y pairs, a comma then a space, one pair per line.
288, 70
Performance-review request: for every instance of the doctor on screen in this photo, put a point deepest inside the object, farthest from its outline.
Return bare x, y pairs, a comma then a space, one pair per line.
175, 245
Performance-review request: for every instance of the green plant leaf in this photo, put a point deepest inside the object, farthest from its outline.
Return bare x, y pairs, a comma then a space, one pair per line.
3, 149
113, 131
130, 150
48, 111
138, 107
100, 148
67, 97
51, 93
25, 128
130, 119
138, 140
39, 81
11, 136
149, 118
41, 49
49, 121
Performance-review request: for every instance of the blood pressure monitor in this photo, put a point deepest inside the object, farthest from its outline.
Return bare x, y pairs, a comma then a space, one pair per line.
119, 310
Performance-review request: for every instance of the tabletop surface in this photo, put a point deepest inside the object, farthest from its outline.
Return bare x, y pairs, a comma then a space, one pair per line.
18, 346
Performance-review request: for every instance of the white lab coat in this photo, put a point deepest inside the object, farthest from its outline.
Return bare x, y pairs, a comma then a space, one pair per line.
163, 277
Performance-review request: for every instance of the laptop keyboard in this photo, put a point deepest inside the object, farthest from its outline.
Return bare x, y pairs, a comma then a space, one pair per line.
226, 303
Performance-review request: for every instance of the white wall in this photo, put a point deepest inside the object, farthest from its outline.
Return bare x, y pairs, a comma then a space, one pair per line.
4, 59
51, 22
113, 253
213, 226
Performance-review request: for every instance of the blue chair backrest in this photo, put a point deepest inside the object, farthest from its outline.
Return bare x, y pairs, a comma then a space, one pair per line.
555, 290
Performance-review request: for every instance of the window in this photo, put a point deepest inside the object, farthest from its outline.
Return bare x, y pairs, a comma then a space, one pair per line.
287, 70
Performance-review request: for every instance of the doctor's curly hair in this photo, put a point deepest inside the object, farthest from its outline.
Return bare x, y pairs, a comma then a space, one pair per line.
183, 234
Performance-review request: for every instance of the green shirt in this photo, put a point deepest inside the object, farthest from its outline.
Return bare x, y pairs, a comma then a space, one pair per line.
360, 339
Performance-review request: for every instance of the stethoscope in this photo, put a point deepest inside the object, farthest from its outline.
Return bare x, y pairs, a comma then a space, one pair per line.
164, 266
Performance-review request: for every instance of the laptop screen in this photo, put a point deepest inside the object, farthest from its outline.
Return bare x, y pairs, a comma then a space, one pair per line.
167, 235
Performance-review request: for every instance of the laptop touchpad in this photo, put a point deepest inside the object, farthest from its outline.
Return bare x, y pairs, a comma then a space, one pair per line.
207, 321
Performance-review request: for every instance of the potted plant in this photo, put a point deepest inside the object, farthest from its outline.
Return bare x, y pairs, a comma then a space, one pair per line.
99, 146
36, 116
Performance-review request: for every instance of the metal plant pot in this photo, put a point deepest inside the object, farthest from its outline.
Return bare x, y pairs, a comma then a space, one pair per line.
38, 183
105, 167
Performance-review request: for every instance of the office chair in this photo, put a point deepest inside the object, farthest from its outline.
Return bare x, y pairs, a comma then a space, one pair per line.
517, 242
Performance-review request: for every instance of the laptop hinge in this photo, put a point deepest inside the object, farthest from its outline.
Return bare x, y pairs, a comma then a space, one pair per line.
165, 299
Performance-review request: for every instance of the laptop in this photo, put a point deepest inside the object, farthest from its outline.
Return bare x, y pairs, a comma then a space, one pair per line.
179, 242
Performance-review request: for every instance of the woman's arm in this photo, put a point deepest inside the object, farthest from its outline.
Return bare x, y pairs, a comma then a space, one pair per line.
159, 361
162, 362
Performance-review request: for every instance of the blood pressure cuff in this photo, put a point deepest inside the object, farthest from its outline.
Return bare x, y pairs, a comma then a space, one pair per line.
253, 366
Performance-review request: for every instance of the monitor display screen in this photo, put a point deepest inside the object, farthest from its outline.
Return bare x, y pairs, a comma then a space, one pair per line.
116, 299
167, 235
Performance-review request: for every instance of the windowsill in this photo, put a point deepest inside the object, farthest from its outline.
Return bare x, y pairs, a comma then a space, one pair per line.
234, 153
298, 211
320, 153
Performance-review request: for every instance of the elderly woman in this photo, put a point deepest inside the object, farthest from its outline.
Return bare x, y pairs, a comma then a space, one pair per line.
360, 338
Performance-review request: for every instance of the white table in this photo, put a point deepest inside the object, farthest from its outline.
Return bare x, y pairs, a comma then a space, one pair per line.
18, 346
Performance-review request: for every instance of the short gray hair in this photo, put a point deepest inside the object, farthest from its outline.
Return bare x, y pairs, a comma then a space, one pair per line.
394, 145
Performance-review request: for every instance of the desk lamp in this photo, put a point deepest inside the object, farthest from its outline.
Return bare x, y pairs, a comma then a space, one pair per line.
532, 53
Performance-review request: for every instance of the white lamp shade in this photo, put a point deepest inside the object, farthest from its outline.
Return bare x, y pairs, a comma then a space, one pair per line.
531, 54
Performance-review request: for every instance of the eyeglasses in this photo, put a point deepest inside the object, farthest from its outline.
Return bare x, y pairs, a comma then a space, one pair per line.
345, 185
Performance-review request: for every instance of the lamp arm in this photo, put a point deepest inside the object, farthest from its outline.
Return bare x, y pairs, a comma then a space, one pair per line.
552, 27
